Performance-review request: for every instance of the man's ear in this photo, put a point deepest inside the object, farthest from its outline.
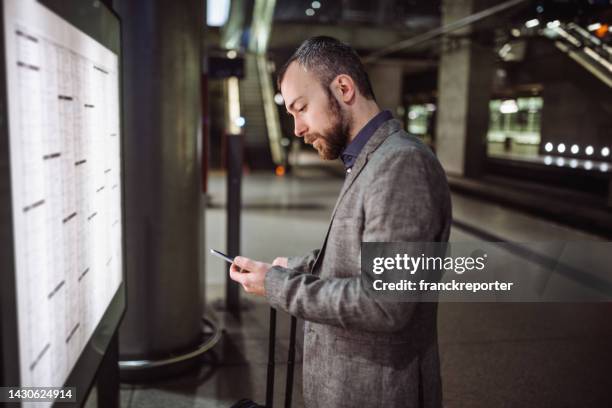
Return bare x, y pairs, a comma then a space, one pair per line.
344, 88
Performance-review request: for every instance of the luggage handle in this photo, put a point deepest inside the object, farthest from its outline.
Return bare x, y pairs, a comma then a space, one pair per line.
290, 361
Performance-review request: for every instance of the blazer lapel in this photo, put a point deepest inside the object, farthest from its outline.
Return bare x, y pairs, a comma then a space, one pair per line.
389, 127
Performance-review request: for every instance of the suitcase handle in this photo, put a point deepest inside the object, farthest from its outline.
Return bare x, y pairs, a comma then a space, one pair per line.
271, 353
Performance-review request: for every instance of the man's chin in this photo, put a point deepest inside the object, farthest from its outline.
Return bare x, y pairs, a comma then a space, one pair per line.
319, 149
323, 151
326, 155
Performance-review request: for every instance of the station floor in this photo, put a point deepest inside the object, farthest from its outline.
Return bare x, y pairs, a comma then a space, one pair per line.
492, 354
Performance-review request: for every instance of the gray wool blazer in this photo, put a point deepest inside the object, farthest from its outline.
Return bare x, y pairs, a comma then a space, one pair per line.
359, 351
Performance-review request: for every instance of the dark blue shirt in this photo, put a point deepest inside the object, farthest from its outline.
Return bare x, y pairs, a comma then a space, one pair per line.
350, 152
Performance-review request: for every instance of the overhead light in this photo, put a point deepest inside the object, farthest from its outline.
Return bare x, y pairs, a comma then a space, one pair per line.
573, 163
561, 148
589, 150
575, 149
508, 106
605, 151
430, 107
315, 5
548, 160
231, 54
603, 167
560, 161
532, 23
548, 147
594, 27
310, 12
553, 24
515, 32
588, 165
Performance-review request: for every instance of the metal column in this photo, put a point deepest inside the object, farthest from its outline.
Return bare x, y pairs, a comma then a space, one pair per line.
234, 204
162, 105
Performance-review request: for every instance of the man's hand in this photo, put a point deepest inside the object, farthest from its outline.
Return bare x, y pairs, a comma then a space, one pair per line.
252, 276
280, 262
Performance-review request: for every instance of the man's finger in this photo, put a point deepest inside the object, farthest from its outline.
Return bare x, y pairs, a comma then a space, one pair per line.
245, 263
237, 276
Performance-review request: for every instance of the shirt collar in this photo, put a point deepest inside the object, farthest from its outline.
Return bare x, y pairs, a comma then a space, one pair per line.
352, 150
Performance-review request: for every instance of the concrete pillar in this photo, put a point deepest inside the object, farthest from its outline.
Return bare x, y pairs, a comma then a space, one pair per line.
386, 79
464, 86
162, 109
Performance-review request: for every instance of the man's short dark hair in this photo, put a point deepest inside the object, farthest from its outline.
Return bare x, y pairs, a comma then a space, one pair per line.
327, 58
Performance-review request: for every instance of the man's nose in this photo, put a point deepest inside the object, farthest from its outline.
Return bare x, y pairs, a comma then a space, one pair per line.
300, 128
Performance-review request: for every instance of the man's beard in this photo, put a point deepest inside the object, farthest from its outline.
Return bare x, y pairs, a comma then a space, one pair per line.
333, 140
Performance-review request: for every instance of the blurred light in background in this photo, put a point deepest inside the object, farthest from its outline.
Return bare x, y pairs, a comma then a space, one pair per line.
532, 23
589, 150
575, 149
561, 148
594, 27
278, 99
602, 31
508, 106
217, 12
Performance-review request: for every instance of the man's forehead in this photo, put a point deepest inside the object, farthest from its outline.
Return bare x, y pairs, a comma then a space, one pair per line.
295, 81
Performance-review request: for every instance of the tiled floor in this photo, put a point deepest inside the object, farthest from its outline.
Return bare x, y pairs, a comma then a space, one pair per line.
492, 354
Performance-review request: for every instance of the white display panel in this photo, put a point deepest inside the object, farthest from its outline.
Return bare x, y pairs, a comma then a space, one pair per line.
63, 104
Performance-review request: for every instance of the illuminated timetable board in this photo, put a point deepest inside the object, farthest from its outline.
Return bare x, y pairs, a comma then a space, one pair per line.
62, 91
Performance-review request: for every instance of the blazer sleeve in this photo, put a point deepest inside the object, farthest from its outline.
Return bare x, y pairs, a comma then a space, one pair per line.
403, 205
303, 264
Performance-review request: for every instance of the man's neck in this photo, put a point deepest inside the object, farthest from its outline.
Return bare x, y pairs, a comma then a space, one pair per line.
362, 114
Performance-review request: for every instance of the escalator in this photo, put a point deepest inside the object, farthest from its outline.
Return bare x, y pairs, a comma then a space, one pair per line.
583, 47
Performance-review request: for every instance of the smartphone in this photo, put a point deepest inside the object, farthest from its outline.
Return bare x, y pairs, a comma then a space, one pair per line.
221, 255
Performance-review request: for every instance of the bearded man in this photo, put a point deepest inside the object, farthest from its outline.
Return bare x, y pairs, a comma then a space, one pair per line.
358, 351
